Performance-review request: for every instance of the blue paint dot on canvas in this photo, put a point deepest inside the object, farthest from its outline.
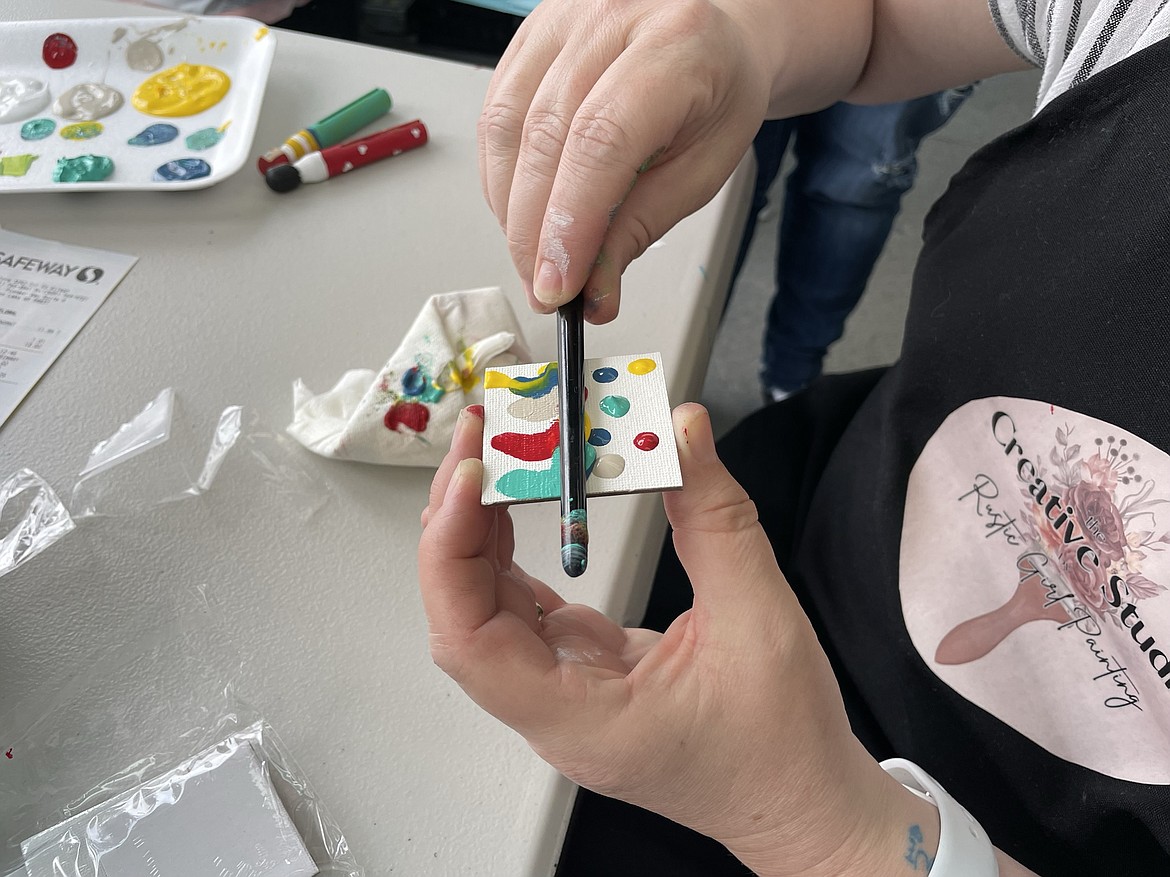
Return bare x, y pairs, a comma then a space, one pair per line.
599, 437
182, 169
154, 135
605, 375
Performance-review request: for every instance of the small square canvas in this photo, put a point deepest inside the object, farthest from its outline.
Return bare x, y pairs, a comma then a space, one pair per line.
216, 813
629, 437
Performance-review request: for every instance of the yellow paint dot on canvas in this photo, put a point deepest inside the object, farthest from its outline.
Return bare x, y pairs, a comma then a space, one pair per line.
642, 366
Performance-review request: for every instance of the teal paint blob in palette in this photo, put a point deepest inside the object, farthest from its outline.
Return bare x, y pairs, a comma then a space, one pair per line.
81, 107
37, 129
630, 446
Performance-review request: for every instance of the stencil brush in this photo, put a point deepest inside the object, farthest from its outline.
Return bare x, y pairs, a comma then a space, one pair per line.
571, 388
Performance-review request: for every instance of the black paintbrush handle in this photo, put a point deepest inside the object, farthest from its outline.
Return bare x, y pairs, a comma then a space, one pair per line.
571, 387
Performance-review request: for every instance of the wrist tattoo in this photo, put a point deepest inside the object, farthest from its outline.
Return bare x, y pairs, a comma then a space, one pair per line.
916, 854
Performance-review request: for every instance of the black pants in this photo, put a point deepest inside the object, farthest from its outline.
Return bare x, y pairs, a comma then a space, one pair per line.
777, 454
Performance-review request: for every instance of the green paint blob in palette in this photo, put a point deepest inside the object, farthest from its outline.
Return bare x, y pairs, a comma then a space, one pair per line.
16, 165
83, 169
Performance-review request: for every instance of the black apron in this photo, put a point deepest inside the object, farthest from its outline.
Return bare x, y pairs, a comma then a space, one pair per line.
1044, 276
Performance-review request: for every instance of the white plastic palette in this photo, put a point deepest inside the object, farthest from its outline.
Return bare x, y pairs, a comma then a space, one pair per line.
240, 47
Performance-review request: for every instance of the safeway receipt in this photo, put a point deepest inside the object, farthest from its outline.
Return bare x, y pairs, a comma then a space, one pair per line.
48, 291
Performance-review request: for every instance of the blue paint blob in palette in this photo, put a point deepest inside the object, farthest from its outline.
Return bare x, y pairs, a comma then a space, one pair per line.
182, 169
154, 135
605, 375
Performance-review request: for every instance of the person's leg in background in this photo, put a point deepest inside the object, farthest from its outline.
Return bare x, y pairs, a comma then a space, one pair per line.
853, 164
769, 146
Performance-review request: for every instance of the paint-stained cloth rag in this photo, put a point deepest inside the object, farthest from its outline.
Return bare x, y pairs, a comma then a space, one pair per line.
404, 415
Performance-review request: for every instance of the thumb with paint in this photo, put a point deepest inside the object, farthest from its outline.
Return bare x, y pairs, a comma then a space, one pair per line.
717, 535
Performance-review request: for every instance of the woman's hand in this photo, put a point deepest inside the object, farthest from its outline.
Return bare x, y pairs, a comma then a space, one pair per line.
591, 98
607, 122
730, 722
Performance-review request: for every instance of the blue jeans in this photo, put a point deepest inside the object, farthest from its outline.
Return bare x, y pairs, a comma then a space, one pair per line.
853, 164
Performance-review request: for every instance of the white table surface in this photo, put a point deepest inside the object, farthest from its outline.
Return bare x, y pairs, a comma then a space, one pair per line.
237, 292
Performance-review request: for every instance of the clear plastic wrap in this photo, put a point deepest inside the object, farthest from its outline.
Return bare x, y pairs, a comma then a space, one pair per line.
189, 781
27, 530
105, 744
161, 456
231, 809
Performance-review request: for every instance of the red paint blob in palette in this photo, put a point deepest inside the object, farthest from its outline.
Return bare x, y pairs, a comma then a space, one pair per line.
59, 51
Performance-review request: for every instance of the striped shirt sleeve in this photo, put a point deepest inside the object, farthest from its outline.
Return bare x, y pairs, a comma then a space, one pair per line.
1073, 39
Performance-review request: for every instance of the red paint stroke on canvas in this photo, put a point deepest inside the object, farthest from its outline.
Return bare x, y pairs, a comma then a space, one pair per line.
8, 754
412, 415
529, 447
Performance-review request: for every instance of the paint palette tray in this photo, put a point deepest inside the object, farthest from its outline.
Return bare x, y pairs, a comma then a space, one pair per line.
122, 54
630, 437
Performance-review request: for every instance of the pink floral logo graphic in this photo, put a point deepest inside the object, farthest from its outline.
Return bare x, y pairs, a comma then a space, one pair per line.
1086, 507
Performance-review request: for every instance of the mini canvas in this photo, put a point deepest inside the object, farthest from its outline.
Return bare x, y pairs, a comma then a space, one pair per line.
214, 814
629, 447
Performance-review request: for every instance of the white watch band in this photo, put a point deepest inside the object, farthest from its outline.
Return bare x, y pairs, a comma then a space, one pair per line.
964, 849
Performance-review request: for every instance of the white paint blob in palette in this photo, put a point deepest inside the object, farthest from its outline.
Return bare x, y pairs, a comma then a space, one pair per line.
129, 103
630, 445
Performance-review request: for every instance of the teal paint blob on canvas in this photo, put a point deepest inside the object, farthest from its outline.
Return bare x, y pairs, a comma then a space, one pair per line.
526, 484
615, 406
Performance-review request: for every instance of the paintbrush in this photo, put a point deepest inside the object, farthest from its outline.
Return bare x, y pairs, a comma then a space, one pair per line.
571, 387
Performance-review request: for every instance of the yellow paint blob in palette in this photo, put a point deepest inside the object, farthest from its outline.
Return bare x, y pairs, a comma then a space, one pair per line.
629, 437
140, 103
